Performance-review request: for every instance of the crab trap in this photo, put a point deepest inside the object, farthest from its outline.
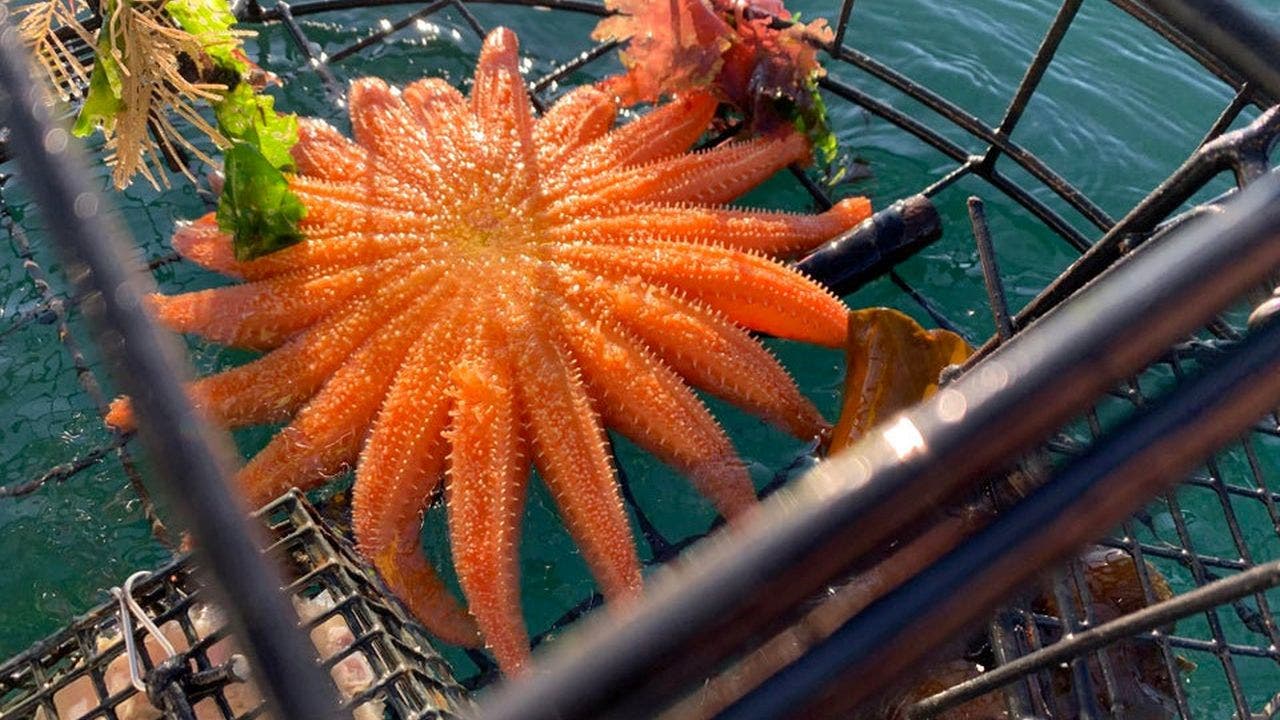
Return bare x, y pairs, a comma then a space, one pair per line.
1083, 522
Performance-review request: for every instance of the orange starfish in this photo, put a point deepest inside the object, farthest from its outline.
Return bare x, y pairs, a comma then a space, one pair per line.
480, 290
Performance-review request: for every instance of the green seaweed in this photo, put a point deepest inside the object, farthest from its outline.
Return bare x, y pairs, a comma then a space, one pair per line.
104, 98
256, 204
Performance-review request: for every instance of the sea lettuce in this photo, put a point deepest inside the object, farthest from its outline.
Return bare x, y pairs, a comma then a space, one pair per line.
256, 207
105, 97
211, 21
256, 204
249, 117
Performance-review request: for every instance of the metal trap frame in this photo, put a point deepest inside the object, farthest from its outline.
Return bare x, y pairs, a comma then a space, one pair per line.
1226, 610
81, 672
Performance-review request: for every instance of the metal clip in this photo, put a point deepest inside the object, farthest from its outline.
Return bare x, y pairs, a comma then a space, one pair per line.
130, 609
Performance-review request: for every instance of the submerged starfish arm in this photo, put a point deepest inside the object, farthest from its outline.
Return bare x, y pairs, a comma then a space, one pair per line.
408, 574
652, 406
398, 472
703, 347
749, 289
488, 476
571, 453
582, 115
773, 233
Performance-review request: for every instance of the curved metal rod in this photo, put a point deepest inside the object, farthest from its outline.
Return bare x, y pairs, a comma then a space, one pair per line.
1241, 151
129, 610
935, 140
191, 459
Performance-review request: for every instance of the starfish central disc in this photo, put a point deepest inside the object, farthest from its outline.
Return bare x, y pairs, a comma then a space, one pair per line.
481, 291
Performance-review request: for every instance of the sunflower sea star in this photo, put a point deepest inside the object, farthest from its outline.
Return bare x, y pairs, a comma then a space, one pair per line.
481, 290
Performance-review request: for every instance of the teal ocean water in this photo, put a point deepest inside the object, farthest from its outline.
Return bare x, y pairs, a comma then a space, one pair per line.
1117, 112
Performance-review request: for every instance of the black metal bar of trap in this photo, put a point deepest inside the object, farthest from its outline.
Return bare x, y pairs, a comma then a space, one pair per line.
875, 246
1234, 34
191, 458
1084, 501
744, 584
1242, 150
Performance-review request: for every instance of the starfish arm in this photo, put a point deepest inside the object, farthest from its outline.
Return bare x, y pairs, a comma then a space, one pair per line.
571, 454
703, 347
201, 242
338, 208
403, 462
204, 244
504, 115
437, 106
773, 233
648, 403
347, 251
577, 118
272, 387
210, 248
327, 433
397, 473
412, 578
323, 152
713, 176
669, 130
395, 140
446, 118
262, 315
488, 475
749, 289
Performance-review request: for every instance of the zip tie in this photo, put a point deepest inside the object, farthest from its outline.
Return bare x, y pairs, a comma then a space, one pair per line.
129, 609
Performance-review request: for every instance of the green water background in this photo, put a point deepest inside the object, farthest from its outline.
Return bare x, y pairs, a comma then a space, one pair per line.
1117, 112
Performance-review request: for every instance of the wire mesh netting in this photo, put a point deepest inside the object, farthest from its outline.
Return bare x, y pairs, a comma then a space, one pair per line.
381, 661
906, 122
